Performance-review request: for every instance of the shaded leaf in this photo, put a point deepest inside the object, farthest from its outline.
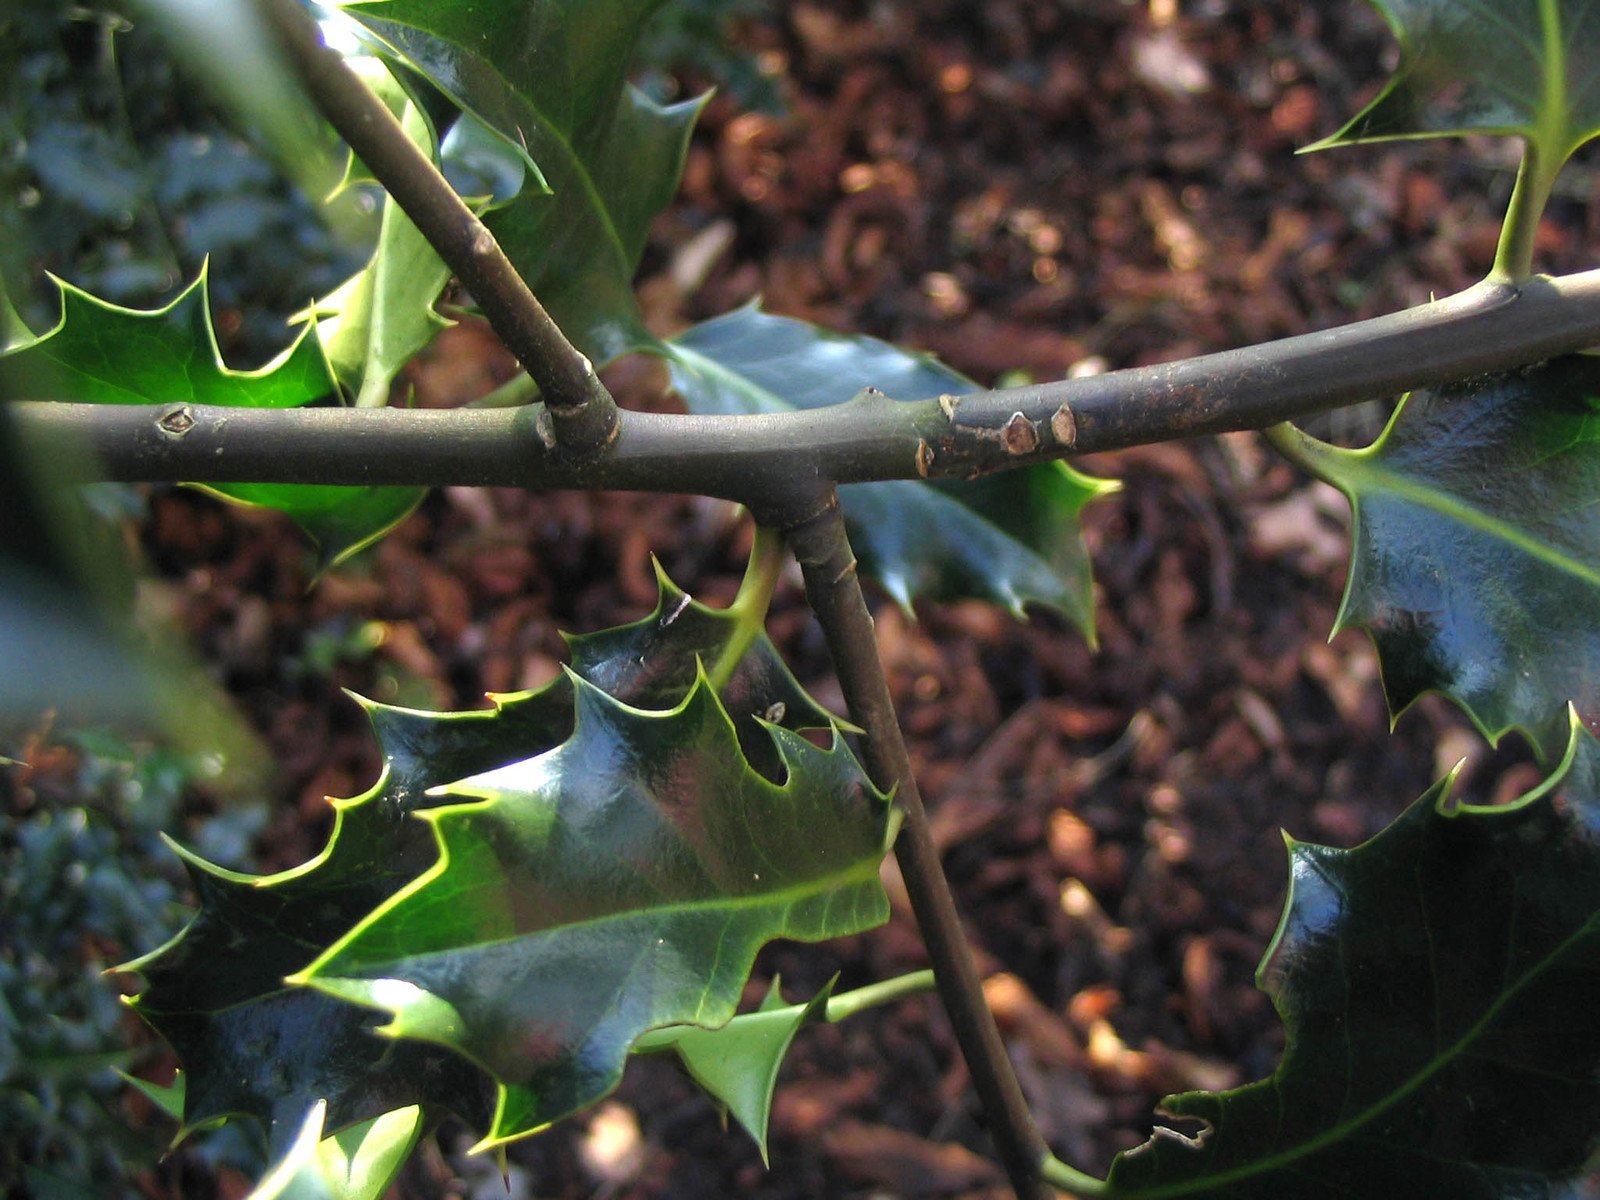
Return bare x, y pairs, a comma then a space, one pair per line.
1475, 562
621, 881
1438, 986
1011, 538
480, 163
738, 1064
1528, 67
250, 1043
357, 1163
552, 77
101, 353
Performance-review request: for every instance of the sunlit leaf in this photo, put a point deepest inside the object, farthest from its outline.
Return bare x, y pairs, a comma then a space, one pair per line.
1439, 986
618, 882
101, 353
383, 315
1012, 538
738, 1064
252, 1044
551, 75
357, 1163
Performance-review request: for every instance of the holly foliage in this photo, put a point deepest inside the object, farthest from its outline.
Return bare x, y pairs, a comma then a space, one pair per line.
532, 892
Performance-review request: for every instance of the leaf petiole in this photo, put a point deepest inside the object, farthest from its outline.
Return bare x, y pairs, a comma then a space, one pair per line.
749, 607
1513, 259
1081, 1184
838, 1008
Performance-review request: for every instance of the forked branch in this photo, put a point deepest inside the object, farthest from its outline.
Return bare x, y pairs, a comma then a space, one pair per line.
582, 412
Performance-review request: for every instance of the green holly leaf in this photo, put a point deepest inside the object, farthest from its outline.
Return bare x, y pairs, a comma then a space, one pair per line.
1438, 986
14, 330
253, 1045
1528, 67
383, 315
738, 1064
622, 881
652, 663
167, 1097
551, 76
1011, 538
358, 1163
102, 353
250, 1045
1475, 563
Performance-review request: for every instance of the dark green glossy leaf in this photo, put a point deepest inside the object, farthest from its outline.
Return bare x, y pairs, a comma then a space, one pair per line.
251, 1044
358, 1163
1528, 67
652, 664
1439, 986
1012, 538
619, 882
551, 75
738, 1064
1475, 564
102, 353
481, 163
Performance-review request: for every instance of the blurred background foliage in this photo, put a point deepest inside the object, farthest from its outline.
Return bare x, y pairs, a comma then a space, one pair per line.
85, 883
116, 174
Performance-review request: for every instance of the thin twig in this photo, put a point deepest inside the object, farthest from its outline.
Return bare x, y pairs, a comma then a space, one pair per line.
584, 417
834, 591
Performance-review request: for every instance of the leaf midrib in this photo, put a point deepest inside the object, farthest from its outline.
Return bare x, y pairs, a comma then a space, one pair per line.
1365, 476
862, 870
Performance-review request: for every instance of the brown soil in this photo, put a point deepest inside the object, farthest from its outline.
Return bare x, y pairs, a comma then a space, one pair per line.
1020, 186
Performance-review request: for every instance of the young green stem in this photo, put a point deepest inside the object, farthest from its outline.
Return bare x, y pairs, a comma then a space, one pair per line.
832, 586
1513, 259
839, 1008
1081, 1185
886, 991
584, 419
749, 607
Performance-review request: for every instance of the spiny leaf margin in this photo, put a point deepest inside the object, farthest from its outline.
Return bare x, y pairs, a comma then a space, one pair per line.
1474, 561
510, 987
1470, 1074
104, 353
